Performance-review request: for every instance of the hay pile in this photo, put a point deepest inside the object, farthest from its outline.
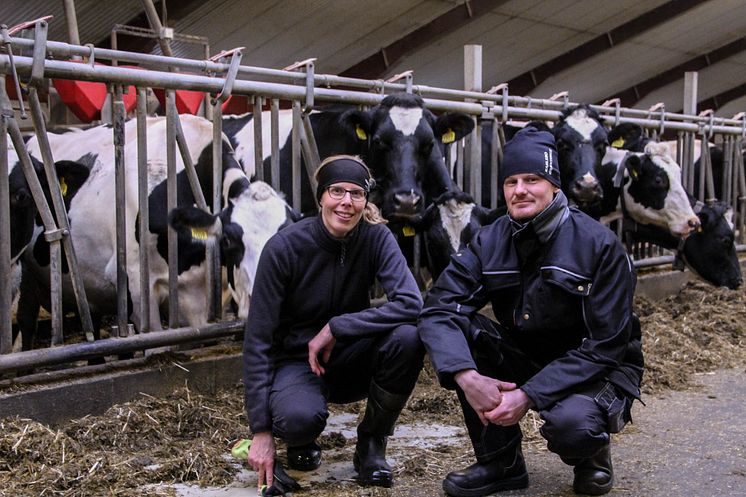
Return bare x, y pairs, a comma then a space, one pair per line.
183, 438
698, 330
186, 438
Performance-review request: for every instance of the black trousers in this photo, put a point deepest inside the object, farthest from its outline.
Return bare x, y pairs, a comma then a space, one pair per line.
298, 398
576, 427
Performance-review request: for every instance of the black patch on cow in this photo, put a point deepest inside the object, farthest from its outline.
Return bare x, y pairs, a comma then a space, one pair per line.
231, 243
73, 175
238, 187
191, 253
22, 208
88, 160
633, 136
649, 183
233, 124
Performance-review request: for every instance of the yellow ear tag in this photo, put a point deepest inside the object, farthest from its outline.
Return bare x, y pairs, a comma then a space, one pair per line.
449, 136
63, 186
361, 134
199, 234
618, 143
408, 230
634, 174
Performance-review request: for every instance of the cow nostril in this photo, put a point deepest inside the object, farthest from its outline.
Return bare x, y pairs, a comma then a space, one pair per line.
693, 223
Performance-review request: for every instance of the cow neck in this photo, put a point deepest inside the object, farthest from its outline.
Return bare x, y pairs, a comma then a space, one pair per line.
331, 243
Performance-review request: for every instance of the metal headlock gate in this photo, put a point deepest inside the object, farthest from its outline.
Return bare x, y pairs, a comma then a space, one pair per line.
37, 59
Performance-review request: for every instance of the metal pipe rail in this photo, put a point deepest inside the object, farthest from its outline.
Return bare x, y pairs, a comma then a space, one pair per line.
179, 81
620, 114
19, 361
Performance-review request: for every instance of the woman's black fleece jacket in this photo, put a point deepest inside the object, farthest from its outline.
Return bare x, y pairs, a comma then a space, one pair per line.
306, 278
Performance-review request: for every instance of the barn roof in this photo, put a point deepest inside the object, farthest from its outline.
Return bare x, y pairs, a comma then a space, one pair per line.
637, 50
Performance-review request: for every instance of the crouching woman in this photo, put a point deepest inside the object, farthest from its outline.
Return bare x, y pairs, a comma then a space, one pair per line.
312, 337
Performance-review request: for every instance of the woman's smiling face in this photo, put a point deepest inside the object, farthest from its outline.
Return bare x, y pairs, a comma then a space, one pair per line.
340, 216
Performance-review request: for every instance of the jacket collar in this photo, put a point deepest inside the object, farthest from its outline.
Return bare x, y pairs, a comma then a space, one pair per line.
545, 223
332, 243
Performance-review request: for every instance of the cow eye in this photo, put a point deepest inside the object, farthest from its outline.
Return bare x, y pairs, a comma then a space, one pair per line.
379, 144
562, 145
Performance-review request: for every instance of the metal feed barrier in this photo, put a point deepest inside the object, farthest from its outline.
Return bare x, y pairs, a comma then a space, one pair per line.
35, 60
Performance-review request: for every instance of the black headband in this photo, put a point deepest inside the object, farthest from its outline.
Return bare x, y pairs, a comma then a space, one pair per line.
343, 170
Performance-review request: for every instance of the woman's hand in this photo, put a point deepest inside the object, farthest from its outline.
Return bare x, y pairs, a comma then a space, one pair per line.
322, 343
262, 457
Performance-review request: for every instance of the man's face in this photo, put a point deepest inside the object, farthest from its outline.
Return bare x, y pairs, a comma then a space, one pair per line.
527, 195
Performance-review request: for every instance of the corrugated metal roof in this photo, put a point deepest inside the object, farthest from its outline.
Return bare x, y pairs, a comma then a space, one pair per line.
516, 36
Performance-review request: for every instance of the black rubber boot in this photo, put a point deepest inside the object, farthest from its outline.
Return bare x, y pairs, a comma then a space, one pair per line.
594, 476
381, 413
506, 472
304, 457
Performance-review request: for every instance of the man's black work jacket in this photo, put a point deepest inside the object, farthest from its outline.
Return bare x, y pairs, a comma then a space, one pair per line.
569, 310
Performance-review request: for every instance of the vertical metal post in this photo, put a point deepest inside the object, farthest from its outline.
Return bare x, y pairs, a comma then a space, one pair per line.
473, 82
296, 151
258, 152
72, 23
690, 108
63, 223
6, 321
741, 197
143, 207
274, 160
310, 151
496, 149
214, 278
173, 265
118, 114
725, 181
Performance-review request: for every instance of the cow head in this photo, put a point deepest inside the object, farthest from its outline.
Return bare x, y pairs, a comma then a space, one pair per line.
252, 213
581, 144
628, 136
405, 152
23, 210
710, 251
655, 195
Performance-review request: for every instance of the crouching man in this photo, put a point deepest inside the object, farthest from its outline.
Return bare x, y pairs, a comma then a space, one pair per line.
566, 342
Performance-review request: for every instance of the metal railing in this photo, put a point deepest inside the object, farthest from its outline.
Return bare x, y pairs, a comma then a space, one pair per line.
304, 89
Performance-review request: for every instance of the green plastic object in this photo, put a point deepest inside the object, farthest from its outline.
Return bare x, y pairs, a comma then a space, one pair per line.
240, 449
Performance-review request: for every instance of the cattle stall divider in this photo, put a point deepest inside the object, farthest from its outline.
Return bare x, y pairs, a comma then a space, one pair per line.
304, 89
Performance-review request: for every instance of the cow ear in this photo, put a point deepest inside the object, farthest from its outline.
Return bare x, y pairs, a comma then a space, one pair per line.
356, 122
633, 165
71, 176
451, 127
231, 245
194, 224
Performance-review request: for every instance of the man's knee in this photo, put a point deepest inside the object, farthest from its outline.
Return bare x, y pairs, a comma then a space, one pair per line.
575, 428
299, 425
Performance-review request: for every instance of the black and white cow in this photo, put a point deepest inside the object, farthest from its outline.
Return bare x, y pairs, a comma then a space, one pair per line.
399, 139
22, 208
646, 187
250, 213
449, 223
629, 136
708, 252
581, 145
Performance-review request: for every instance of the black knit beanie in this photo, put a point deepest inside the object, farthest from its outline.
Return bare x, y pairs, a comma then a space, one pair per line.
341, 170
530, 152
